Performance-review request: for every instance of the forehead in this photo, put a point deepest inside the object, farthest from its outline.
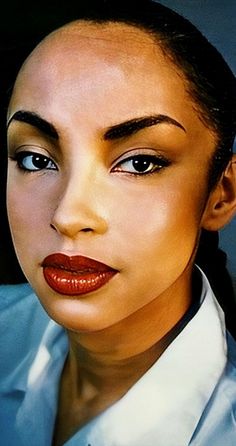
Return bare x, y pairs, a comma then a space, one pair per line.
108, 73
80, 51
113, 42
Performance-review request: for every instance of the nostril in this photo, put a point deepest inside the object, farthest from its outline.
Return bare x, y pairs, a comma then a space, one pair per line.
53, 227
71, 222
82, 230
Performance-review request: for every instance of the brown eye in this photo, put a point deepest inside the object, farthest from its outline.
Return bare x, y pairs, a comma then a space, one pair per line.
141, 164
30, 161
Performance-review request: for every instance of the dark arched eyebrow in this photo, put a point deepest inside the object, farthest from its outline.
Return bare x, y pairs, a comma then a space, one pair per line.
128, 128
117, 131
36, 121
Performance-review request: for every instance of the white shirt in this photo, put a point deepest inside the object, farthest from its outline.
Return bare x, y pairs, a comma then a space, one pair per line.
162, 409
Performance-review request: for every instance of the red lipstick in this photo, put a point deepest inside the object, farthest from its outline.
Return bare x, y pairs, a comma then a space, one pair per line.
75, 275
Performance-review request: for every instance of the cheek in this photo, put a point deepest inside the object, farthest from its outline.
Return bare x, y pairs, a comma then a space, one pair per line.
158, 215
28, 215
158, 232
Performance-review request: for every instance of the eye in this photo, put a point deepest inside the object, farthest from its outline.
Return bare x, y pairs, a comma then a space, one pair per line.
31, 161
141, 164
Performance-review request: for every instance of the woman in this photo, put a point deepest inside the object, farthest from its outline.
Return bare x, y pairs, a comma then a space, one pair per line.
120, 137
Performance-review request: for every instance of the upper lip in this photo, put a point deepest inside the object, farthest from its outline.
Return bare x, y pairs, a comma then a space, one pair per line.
77, 263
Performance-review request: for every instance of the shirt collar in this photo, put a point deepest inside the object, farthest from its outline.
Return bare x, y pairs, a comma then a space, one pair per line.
162, 408
36, 415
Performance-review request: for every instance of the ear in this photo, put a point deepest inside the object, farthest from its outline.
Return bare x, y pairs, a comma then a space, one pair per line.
221, 204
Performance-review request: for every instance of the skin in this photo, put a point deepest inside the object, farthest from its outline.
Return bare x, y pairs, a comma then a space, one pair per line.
83, 80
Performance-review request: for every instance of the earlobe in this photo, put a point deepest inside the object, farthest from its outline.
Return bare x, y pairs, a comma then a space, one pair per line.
221, 205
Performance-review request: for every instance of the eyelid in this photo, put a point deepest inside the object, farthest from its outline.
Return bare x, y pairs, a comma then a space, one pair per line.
34, 149
142, 151
145, 151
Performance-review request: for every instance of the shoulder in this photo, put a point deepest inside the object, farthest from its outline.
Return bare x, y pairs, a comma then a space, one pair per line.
13, 297
18, 306
22, 324
228, 380
9, 294
218, 422
231, 343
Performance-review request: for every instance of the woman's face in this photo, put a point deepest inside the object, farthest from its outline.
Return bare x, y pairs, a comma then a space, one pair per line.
117, 174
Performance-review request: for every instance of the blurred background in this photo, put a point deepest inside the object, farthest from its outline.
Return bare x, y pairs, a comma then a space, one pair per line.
23, 24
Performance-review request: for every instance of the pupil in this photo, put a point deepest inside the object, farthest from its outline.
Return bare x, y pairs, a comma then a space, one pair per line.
141, 164
40, 161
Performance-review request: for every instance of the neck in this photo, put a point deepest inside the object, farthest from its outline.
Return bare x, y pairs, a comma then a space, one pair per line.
121, 354
102, 366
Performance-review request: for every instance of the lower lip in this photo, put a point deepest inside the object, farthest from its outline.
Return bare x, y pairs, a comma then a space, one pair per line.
73, 284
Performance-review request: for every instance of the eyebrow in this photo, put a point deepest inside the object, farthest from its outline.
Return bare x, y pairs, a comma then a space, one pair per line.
36, 121
133, 126
117, 131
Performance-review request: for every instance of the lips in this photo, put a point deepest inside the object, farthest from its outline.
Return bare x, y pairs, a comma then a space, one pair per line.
75, 275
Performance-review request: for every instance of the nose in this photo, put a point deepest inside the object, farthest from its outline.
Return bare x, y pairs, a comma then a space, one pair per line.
79, 208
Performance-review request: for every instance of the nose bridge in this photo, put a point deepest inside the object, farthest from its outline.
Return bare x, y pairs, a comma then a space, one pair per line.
78, 207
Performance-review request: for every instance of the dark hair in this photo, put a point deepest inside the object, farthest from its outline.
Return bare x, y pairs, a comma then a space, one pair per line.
210, 81
213, 261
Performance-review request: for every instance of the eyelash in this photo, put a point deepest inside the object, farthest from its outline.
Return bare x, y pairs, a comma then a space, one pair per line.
33, 157
140, 163
158, 163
